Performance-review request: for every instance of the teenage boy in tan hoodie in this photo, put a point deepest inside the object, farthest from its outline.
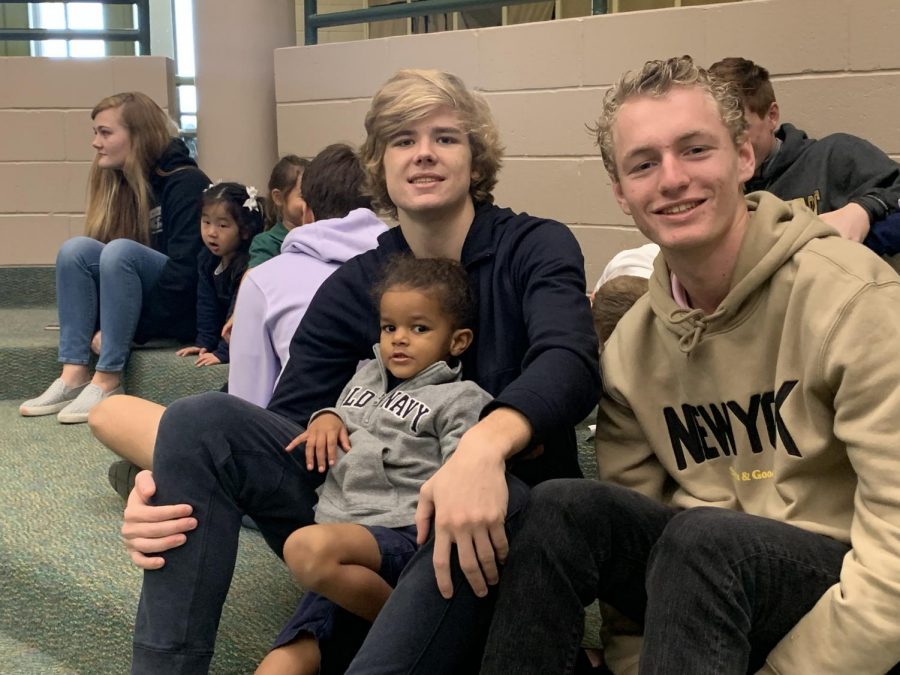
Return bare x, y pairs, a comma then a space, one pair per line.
748, 518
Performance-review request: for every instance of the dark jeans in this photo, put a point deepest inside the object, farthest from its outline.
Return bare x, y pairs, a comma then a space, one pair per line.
225, 456
715, 590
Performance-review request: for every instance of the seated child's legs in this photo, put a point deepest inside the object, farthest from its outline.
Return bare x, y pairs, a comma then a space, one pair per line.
355, 566
343, 562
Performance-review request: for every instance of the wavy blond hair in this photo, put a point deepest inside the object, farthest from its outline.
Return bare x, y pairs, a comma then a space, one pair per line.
657, 78
412, 95
118, 203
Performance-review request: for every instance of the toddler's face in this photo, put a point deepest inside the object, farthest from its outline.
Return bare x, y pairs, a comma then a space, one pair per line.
414, 332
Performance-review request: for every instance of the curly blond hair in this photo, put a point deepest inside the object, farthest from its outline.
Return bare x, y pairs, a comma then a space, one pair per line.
657, 78
411, 95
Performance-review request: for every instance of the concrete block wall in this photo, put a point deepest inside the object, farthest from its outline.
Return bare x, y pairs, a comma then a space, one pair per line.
45, 143
835, 67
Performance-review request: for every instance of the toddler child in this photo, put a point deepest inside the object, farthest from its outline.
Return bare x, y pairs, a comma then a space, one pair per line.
396, 422
231, 216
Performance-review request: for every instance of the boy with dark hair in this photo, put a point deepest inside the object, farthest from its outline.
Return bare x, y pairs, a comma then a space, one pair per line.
851, 184
434, 149
334, 187
748, 512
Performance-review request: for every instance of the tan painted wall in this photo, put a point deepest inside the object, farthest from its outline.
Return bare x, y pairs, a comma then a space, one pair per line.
45, 143
836, 68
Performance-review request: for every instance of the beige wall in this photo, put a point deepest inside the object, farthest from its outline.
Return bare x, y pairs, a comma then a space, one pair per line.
835, 65
235, 86
45, 143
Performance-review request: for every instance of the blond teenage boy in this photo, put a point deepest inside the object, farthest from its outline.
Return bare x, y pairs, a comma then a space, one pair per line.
432, 154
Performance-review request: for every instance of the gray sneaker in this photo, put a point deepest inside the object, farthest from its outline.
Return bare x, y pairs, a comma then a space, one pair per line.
77, 411
57, 397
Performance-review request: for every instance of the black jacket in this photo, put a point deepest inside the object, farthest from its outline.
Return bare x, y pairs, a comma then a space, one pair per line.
831, 172
170, 308
535, 348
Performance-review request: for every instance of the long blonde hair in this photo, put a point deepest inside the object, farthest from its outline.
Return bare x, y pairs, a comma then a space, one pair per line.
118, 204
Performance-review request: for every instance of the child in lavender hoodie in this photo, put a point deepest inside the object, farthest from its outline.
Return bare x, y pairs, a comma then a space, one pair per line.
274, 296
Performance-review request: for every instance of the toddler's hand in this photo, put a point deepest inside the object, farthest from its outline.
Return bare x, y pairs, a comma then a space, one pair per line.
322, 437
226, 329
206, 359
188, 351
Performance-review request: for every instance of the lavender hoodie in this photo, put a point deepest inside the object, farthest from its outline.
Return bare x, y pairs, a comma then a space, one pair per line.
274, 296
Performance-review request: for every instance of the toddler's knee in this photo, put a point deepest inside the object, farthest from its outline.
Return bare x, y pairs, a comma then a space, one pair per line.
309, 556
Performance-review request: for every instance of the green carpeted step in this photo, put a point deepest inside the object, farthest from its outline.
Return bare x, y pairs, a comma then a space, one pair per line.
28, 355
27, 286
68, 592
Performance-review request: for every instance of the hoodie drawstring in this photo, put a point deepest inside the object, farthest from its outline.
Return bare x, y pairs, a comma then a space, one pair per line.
697, 321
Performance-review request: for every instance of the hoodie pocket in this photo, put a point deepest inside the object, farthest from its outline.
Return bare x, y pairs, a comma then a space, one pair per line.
363, 482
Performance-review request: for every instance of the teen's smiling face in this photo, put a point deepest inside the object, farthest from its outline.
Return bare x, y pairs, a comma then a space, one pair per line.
428, 166
416, 332
111, 139
680, 176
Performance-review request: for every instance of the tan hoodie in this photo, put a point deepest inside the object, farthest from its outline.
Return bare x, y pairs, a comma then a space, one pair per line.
783, 403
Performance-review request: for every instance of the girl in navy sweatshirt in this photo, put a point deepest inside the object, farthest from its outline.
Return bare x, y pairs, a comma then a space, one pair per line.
231, 216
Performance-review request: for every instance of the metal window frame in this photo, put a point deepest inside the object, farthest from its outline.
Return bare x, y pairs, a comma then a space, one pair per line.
141, 34
401, 10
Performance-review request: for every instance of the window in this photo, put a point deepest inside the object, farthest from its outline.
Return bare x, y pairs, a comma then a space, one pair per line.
185, 71
86, 16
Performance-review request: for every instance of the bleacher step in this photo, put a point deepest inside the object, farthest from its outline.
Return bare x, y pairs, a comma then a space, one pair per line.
28, 354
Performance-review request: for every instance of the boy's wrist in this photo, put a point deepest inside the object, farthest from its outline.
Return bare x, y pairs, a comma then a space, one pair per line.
502, 433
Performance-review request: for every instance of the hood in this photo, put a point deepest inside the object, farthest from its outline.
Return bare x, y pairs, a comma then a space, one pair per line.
794, 143
775, 232
336, 239
175, 157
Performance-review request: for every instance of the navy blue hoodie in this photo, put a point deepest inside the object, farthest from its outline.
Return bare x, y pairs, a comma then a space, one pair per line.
170, 308
831, 172
535, 349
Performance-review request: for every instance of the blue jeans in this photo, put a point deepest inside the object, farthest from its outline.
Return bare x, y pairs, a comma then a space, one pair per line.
102, 286
715, 590
225, 457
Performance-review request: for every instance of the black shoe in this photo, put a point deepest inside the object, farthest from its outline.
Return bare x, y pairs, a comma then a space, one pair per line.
121, 477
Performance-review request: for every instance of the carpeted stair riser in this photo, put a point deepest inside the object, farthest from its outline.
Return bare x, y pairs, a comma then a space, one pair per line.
27, 286
28, 354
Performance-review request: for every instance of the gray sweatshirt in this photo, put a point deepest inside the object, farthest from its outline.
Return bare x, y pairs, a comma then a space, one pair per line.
398, 440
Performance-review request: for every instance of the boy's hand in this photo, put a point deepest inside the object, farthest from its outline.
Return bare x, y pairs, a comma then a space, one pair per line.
151, 530
468, 499
322, 438
188, 351
206, 359
851, 221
